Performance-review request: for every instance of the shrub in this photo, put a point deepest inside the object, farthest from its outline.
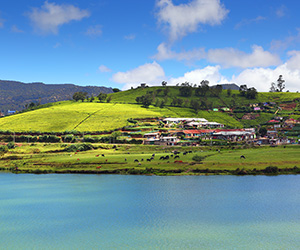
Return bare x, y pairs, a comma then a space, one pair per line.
3, 149
69, 138
10, 145
79, 147
198, 158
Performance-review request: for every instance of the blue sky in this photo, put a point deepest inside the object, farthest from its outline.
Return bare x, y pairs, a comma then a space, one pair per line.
117, 43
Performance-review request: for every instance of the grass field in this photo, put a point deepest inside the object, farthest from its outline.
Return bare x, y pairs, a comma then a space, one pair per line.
93, 116
49, 158
87, 116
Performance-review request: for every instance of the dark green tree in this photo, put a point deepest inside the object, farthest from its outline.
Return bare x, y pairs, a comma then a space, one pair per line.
115, 90
195, 105
251, 93
263, 131
79, 96
186, 91
243, 90
102, 97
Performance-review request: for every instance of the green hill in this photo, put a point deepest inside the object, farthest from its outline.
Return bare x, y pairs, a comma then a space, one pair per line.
94, 116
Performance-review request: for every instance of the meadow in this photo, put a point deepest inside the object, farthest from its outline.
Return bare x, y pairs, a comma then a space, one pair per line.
132, 159
94, 116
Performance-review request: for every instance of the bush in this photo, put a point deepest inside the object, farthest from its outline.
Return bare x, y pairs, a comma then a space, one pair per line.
3, 149
79, 147
69, 138
198, 158
49, 138
10, 145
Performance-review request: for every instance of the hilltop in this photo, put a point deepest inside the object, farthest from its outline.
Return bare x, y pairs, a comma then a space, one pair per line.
232, 110
15, 95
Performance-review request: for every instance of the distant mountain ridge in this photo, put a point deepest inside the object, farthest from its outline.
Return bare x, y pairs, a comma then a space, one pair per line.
15, 95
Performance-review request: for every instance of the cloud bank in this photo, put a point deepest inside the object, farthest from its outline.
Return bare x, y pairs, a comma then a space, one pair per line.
51, 16
258, 77
151, 73
182, 19
227, 57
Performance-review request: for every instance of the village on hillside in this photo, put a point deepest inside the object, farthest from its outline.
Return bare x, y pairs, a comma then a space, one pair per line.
199, 131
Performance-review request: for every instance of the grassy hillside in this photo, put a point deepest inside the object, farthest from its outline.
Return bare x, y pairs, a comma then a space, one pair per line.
67, 116
94, 116
129, 96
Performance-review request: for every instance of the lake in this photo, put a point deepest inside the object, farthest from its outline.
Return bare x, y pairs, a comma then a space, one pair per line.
71, 211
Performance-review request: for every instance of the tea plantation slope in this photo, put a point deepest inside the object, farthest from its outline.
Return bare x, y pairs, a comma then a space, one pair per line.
76, 116
86, 116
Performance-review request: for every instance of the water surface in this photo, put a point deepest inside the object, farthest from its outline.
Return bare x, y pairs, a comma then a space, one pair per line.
149, 212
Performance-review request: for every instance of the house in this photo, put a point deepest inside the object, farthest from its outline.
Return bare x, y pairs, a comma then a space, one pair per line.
163, 140
272, 133
189, 133
143, 85
152, 135
234, 135
212, 125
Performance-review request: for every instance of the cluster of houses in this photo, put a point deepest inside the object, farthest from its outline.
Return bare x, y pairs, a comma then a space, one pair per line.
193, 130
185, 129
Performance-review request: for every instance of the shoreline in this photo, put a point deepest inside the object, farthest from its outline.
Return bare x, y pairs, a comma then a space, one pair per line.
268, 171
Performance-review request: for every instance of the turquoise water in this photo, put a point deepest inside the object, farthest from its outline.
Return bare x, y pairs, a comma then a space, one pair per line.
149, 212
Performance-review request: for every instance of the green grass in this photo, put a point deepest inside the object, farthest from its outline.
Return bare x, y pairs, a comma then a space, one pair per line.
76, 116
84, 117
51, 158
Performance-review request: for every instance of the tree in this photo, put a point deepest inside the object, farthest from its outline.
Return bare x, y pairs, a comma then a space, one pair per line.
229, 92
263, 131
166, 91
251, 93
243, 90
164, 83
102, 96
162, 104
185, 91
217, 90
108, 99
79, 96
146, 100
280, 84
273, 87
195, 106
92, 98
115, 90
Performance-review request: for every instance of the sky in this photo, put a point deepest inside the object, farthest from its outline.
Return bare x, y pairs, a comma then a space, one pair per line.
122, 43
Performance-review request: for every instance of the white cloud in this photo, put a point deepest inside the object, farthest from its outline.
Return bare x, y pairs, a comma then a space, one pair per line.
230, 57
210, 73
50, 16
94, 31
104, 69
227, 57
165, 53
185, 18
151, 73
261, 78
